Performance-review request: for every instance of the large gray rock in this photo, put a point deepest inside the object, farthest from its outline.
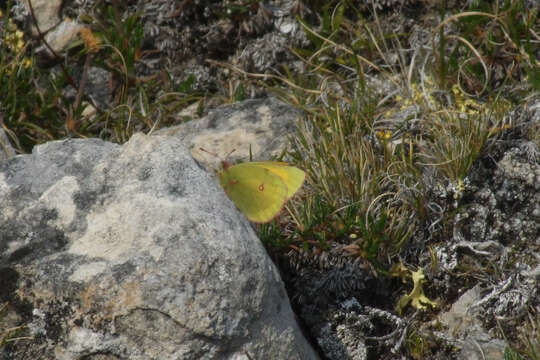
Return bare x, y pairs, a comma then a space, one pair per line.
134, 252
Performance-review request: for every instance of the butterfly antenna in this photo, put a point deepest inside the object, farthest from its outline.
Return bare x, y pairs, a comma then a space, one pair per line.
209, 152
230, 152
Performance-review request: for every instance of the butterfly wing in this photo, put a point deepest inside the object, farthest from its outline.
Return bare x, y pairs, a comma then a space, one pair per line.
291, 176
258, 192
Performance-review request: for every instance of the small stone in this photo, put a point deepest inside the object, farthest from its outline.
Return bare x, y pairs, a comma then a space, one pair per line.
46, 13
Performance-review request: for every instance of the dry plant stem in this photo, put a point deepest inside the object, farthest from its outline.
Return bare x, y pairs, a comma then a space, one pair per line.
343, 48
179, 9
72, 123
261, 76
439, 29
7, 331
473, 49
386, 51
84, 77
316, 68
126, 75
42, 38
494, 17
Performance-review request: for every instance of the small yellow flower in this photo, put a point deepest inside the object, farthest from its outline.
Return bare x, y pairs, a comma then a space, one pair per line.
385, 135
460, 185
459, 188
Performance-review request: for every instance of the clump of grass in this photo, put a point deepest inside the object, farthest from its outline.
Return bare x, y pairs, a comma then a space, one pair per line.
140, 103
354, 161
528, 338
456, 135
355, 172
367, 153
16, 73
48, 112
483, 44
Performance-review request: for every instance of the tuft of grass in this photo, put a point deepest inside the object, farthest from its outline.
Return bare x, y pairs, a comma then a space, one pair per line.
528, 339
490, 44
140, 103
367, 151
418, 346
48, 112
355, 173
455, 136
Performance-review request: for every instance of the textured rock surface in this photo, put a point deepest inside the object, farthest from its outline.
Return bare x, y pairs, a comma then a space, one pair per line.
507, 208
324, 289
134, 252
46, 12
461, 322
60, 37
497, 222
6, 150
262, 125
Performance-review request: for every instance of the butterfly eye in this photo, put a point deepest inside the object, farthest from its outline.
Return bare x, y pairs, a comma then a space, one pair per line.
261, 187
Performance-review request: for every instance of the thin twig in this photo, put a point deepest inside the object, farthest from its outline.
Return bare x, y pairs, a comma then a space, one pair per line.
263, 76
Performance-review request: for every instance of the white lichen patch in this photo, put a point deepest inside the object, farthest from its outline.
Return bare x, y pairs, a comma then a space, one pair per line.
121, 229
88, 271
81, 341
7, 211
60, 197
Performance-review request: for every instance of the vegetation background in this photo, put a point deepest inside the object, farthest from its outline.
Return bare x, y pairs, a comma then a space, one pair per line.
395, 122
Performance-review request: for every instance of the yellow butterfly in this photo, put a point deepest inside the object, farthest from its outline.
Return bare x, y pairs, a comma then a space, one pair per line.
261, 189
